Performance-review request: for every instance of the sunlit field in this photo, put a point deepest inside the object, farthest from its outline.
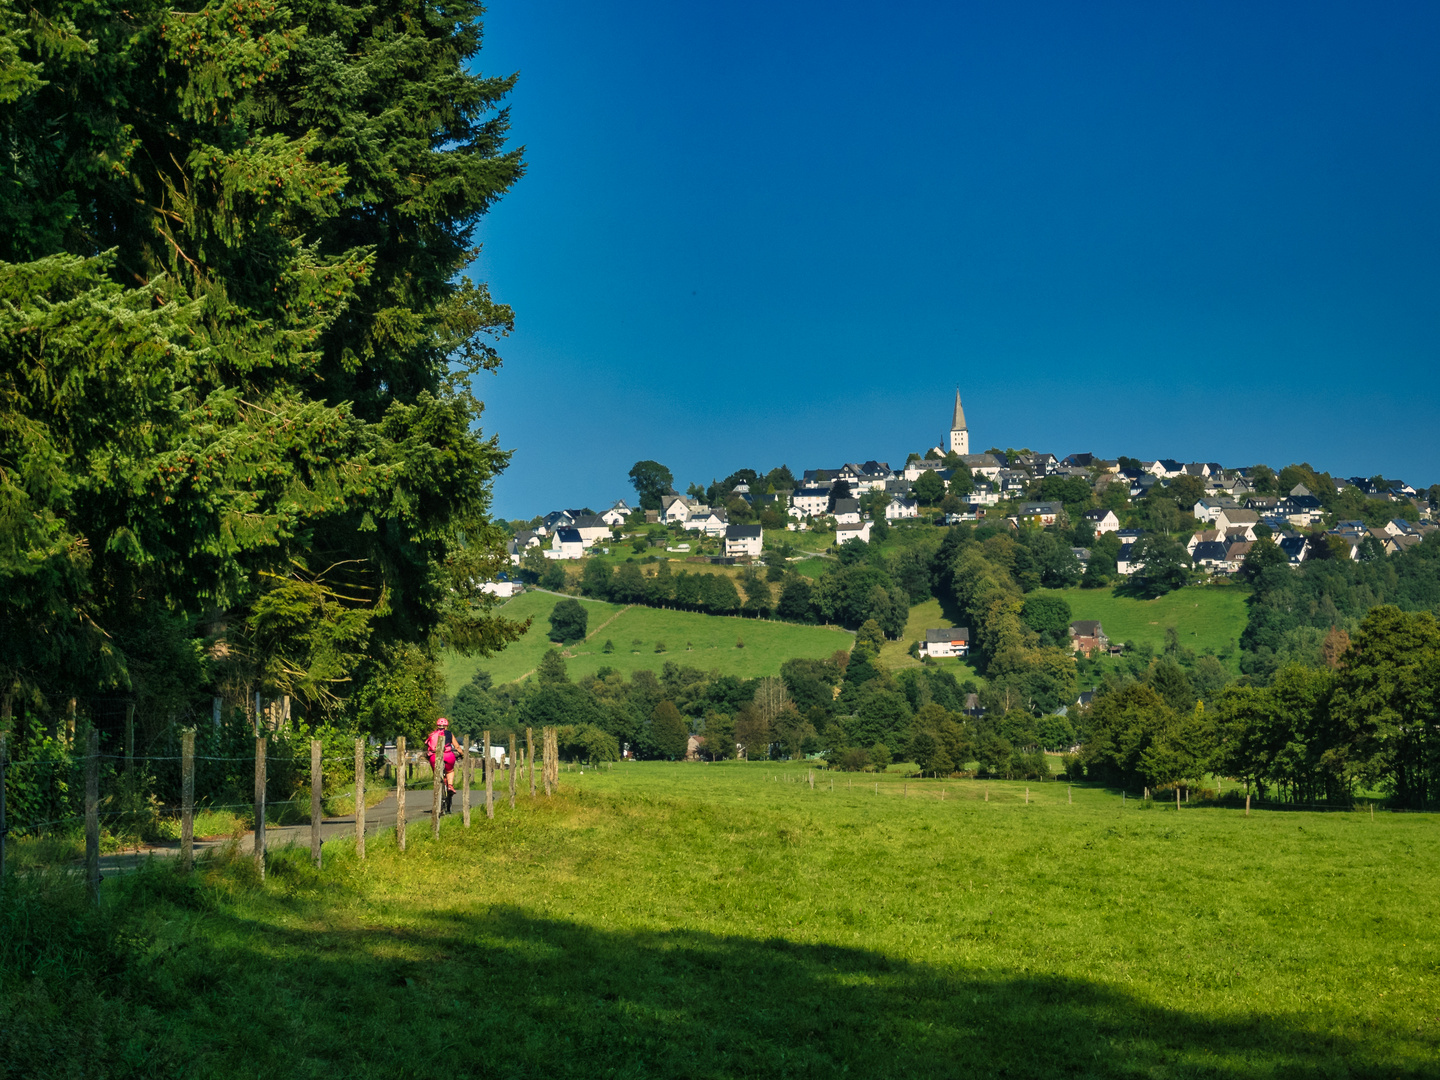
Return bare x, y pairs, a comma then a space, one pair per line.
734, 920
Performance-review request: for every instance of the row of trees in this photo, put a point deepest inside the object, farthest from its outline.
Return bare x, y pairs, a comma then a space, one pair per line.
1370, 718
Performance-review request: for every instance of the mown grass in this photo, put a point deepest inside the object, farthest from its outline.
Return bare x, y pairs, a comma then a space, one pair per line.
707, 642
728, 920
927, 615
1206, 617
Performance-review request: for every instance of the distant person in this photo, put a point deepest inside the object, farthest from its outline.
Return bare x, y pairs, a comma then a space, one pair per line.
434, 741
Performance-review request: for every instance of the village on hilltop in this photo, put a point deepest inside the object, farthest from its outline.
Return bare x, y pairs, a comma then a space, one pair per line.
1231, 508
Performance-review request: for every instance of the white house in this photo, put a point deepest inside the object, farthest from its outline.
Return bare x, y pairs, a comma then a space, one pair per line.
1210, 509
743, 540
847, 511
1125, 563
566, 544
592, 528
501, 588
846, 533
809, 501
952, 641
617, 514
674, 508
1103, 521
521, 542
897, 508
707, 520
1044, 512
1230, 518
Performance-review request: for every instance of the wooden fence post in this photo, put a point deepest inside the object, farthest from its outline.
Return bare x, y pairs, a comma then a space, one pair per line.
512, 770
489, 781
129, 738
70, 722
530, 758
1177, 798
4, 759
317, 793
92, 815
401, 769
1070, 794
437, 774
187, 799
260, 806
360, 798
467, 777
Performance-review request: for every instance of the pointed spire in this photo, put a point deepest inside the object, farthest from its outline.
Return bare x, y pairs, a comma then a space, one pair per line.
958, 424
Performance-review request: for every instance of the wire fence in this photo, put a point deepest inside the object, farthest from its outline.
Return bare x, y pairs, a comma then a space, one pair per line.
57, 793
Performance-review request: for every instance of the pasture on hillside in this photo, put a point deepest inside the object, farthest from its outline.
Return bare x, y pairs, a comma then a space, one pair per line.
926, 615
1206, 617
659, 920
692, 639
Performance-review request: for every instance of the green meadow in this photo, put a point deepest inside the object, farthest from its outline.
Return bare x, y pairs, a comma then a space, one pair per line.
658, 920
1206, 617
707, 642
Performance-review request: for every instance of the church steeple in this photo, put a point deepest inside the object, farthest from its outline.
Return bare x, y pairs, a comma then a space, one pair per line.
959, 433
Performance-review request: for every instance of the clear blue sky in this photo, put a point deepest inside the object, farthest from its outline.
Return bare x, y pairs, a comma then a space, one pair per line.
755, 233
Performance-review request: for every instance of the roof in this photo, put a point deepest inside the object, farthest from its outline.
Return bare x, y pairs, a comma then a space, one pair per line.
742, 532
590, 521
1210, 549
847, 506
1041, 507
958, 422
1241, 517
954, 633
1098, 515
1086, 628
568, 536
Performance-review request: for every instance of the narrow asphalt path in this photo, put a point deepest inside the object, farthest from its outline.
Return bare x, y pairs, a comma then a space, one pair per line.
378, 818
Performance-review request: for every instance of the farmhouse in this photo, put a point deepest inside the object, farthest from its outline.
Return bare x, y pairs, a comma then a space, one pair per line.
1088, 636
743, 540
951, 641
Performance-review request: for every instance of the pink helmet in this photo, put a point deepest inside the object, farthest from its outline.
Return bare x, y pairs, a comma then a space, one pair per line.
442, 722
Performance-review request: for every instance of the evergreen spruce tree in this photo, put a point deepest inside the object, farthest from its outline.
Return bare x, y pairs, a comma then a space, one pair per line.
237, 342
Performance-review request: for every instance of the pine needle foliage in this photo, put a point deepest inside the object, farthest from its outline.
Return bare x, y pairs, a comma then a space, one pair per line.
236, 339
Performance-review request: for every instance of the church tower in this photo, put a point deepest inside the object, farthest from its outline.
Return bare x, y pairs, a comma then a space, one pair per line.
959, 434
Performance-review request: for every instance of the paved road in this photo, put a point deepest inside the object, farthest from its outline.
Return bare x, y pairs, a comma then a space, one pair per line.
378, 818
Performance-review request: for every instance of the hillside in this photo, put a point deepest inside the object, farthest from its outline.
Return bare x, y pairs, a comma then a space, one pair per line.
1207, 618
925, 616
707, 642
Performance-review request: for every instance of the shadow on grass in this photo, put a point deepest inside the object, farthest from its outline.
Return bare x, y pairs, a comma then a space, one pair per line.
252, 986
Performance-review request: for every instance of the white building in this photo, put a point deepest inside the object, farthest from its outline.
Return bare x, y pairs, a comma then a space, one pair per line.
951, 641
743, 540
959, 433
566, 544
897, 509
809, 501
846, 533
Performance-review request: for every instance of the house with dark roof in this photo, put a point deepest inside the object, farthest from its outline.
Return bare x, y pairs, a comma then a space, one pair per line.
1087, 636
1102, 521
1211, 554
1043, 513
566, 544
847, 511
948, 641
743, 540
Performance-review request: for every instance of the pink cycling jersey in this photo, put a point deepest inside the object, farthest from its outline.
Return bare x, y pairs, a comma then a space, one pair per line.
434, 740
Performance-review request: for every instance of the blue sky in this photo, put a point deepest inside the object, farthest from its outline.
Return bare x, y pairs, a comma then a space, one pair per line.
784, 232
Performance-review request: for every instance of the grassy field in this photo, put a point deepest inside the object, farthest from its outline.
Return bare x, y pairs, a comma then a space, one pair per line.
707, 642
729, 920
925, 616
1207, 617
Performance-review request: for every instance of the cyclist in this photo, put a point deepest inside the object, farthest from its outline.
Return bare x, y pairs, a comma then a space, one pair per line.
440, 740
